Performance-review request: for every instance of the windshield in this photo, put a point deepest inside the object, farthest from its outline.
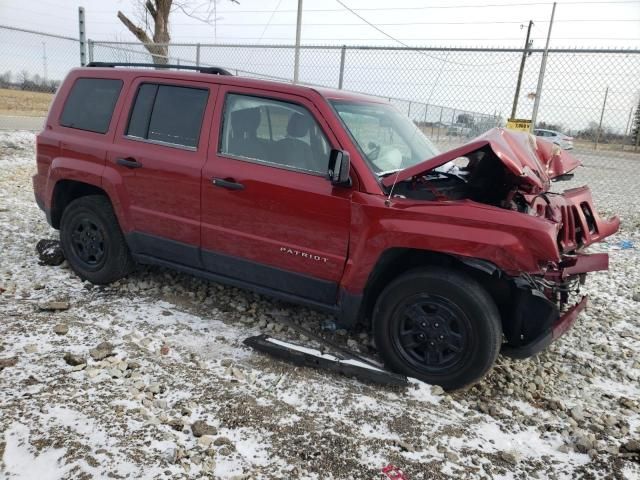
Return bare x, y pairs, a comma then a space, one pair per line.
387, 139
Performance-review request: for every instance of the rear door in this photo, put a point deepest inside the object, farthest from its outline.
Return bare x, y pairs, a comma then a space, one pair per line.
158, 155
270, 216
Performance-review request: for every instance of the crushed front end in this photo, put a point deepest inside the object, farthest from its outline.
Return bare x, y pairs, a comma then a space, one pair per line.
546, 305
536, 286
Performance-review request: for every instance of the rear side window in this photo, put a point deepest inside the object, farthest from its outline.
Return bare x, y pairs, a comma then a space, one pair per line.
90, 104
168, 114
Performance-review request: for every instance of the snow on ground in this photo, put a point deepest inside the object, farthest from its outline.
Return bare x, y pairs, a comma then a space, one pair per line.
177, 367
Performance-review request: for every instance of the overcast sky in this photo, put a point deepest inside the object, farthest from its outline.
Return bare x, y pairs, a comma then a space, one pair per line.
449, 82
459, 22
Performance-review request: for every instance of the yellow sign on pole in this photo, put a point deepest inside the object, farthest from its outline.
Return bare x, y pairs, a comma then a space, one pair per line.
520, 124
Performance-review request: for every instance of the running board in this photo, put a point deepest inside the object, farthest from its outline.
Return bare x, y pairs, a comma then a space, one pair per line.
313, 358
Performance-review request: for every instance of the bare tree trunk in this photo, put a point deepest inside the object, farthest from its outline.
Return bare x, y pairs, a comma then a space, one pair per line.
158, 46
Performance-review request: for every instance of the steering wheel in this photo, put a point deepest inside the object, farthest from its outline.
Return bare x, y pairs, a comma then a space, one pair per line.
374, 150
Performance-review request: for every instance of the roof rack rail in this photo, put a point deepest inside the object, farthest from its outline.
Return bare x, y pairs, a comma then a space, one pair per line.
211, 70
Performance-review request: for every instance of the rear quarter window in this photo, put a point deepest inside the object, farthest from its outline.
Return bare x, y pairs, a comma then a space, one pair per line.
90, 104
168, 114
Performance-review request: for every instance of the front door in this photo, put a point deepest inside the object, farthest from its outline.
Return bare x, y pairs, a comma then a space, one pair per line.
158, 154
269, 214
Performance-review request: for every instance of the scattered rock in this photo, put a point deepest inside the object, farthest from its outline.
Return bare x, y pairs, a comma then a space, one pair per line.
176, 424
437, 390
200, 428
452, 457
74, 360
154, 388
170, 454
223, 441
577, 414
238, 374
102, 351
509, 457
205, 441
226, 362
164, 349
225, 451
31, 348
53, 305
61, 329
405, 446
583, 444
632, 446
50, 252
8, 362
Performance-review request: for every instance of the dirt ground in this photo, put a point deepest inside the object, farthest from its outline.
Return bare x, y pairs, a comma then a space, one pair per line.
23, 103
174, 393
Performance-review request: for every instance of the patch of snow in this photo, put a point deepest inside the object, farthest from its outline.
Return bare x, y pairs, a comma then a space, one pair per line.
21, 462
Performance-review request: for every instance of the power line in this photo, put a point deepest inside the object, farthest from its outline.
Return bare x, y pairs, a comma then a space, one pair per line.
443, 60
432, 7
269, 21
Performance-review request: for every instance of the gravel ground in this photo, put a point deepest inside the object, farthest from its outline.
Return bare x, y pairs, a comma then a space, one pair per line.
148, 378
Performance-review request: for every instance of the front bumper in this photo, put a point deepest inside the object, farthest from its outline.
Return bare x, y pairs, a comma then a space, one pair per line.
557, 329
536, 321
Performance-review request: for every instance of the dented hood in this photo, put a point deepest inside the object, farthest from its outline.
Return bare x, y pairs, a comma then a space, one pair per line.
532, 160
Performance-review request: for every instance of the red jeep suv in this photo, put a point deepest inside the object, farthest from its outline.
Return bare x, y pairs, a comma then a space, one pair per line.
326, 198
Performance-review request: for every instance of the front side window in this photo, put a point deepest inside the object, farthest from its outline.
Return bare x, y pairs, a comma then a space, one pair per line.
90, 104
388, 140
168, 114
273, 132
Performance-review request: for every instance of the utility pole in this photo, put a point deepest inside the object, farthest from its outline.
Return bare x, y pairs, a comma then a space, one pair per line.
44, 61
543, 66
296, 60
522, 62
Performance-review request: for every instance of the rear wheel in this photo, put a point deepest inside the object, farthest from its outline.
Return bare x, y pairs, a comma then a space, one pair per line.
92, 241
438, 326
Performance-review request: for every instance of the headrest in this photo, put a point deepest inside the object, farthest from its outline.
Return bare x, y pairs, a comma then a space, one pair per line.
245, 120
298, 125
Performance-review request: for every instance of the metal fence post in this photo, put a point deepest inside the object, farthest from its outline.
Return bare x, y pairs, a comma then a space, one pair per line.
604, 104
82, 37
426, 109
440, 122
198, 55
543, 66
90, 43
343, 52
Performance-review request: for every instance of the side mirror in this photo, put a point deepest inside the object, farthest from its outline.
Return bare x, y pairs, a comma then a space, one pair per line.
339, 167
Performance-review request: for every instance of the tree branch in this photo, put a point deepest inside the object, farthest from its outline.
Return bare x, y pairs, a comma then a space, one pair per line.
151, 8
133, 28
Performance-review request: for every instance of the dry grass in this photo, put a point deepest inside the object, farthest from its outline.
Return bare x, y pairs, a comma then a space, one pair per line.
23, 103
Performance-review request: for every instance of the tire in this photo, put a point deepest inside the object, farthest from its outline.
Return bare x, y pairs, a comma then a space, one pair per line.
439, 326
92, 241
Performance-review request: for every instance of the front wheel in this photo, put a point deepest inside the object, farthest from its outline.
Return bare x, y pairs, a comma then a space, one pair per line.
92, 241
439, 326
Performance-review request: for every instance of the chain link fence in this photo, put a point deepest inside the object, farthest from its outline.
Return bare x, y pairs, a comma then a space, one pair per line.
453, 94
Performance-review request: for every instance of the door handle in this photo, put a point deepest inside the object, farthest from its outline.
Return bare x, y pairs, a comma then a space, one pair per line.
128, 162
229, 184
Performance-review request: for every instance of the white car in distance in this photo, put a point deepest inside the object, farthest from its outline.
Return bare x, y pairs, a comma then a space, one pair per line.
563, 141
